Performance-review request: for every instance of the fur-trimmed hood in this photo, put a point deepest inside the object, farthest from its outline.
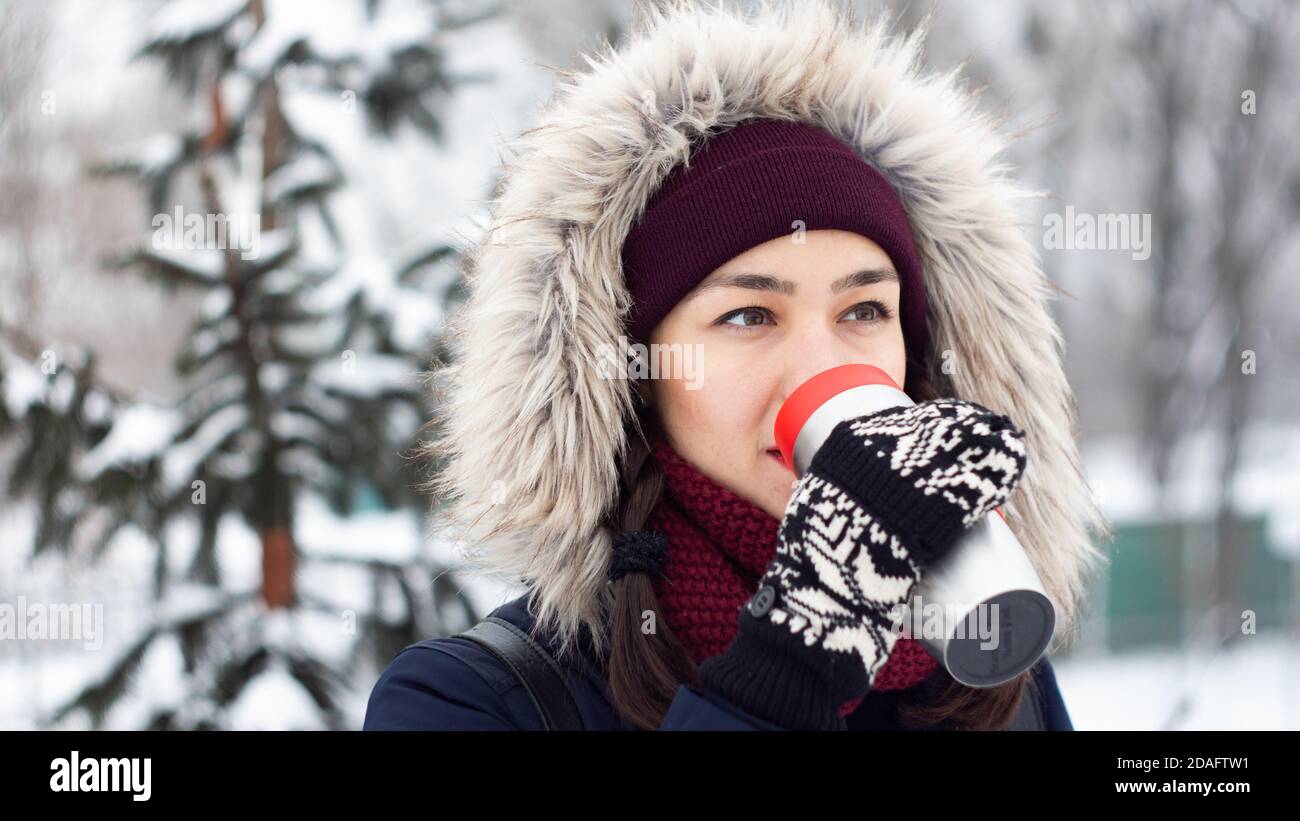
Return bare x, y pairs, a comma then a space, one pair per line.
530, 436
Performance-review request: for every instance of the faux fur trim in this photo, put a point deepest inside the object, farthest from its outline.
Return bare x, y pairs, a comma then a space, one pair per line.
530, 436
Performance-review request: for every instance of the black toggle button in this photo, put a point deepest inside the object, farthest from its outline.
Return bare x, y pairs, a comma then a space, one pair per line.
762, 601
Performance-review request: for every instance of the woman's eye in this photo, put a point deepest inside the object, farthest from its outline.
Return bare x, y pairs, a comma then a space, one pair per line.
752, 312
871, 312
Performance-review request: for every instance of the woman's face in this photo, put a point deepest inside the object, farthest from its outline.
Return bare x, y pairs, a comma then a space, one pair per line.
753, 331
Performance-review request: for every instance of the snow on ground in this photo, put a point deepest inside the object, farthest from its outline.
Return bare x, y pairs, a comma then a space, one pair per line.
1254, 685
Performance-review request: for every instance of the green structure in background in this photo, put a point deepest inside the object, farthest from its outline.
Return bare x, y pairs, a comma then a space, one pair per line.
1148, 593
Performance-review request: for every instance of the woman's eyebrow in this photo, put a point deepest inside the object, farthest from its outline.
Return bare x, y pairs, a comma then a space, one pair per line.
767, 282
858, 279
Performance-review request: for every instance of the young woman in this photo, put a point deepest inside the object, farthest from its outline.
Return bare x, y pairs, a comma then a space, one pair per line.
754, 198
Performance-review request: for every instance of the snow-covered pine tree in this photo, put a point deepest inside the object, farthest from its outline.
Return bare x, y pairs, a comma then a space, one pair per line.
52, 411
302, 371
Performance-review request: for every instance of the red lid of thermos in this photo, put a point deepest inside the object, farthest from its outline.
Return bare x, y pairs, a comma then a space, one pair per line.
811, 395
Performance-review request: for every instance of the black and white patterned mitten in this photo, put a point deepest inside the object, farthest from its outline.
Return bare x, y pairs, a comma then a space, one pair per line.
885, 495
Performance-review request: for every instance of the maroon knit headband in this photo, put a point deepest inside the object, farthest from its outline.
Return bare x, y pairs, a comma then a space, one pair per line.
747, 185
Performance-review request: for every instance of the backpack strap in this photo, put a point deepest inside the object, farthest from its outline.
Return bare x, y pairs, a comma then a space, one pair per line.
534, 667
1029, 715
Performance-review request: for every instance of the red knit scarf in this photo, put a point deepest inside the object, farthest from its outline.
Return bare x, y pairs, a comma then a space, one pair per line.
719, 546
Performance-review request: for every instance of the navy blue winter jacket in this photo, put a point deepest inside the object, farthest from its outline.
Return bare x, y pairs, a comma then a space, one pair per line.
454, 684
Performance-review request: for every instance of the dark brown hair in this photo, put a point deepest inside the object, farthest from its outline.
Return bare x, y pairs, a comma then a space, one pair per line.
645, 670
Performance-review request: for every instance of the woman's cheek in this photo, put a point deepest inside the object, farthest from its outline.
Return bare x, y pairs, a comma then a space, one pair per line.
890, 357
735, 393
686, 409
703, 405
897, 368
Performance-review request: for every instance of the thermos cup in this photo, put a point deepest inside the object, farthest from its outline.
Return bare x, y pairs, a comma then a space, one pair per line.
981, 610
